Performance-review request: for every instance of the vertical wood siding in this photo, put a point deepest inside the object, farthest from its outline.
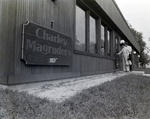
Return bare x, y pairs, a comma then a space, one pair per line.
14, 13
43, 12
7, 36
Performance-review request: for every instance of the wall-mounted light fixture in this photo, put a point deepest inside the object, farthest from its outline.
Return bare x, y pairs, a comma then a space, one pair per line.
52, 24
138, 56
134, 52
54, 0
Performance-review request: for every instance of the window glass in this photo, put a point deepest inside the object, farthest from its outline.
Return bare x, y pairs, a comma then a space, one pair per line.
108, 41
80, 29
117, 44
102, 40
92, 35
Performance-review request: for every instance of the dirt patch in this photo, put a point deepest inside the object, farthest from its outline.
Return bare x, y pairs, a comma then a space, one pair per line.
61, 90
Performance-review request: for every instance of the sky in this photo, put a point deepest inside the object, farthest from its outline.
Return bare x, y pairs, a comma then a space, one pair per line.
137, 13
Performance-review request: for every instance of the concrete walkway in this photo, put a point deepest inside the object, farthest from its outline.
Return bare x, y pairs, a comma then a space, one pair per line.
59, 90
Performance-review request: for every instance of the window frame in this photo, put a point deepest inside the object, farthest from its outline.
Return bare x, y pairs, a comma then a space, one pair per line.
109, 46
89, 12
84, 10
96, 39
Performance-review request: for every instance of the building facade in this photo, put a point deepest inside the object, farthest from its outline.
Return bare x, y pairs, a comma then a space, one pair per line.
44, 40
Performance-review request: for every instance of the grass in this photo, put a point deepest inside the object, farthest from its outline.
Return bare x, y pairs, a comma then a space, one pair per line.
127, 97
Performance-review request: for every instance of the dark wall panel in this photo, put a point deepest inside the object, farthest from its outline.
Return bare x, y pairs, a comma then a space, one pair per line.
7, 35
61, 13
44, 13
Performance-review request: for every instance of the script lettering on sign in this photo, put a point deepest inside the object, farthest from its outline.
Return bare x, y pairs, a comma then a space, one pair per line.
43, 46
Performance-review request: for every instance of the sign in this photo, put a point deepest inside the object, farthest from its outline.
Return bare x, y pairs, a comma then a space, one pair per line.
43, 46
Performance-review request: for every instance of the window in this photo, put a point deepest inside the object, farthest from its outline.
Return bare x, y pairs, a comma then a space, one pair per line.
109, 42
80, 30
102, 40
105, 40
92, 35
85, 30
117, 44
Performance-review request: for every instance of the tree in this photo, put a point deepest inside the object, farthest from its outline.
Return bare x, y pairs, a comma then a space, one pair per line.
144, 50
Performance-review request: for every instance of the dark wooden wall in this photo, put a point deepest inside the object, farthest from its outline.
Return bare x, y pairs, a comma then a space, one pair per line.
14, 13
7, 36
43, 12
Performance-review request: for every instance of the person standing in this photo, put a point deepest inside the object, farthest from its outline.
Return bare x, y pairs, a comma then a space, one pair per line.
129, 48
125, 55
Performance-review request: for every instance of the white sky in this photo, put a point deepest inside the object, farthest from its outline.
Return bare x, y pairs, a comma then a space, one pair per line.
137, 13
